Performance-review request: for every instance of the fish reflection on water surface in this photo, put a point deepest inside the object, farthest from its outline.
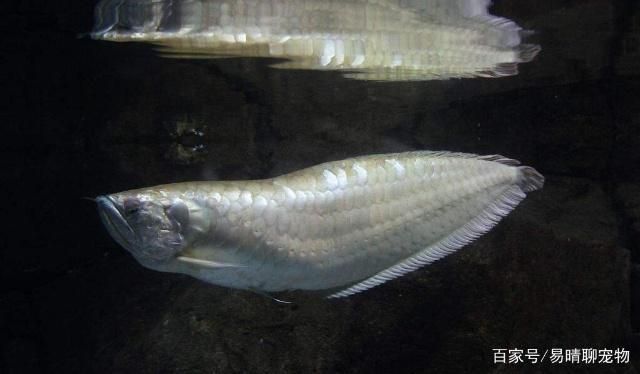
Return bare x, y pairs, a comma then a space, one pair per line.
365, 39
350, 224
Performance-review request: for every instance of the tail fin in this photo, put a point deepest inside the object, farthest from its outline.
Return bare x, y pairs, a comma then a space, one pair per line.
530, 180
527, 52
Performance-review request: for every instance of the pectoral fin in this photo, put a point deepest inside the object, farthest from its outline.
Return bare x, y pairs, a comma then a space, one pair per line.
207, 263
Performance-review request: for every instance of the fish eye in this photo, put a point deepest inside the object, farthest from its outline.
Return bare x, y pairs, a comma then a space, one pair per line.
131, 206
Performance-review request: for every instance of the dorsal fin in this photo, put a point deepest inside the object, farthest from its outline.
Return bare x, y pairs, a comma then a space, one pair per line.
464, 235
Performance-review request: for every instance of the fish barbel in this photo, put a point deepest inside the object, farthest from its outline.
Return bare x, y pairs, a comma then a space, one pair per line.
365, 39
350, 224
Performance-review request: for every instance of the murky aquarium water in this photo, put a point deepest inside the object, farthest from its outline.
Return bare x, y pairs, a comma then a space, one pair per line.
321, 186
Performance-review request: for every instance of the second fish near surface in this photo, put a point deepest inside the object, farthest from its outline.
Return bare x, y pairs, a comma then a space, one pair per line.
345, 225
365, 39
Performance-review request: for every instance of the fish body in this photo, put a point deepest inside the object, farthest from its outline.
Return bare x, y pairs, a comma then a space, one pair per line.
365, 39
350, 224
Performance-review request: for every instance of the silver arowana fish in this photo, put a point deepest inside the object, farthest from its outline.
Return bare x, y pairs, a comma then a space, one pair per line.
365, 39
350, 224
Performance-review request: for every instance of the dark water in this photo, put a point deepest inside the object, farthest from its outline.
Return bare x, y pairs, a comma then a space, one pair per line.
83, 118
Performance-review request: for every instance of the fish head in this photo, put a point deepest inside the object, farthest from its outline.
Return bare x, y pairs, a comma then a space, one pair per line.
153, 228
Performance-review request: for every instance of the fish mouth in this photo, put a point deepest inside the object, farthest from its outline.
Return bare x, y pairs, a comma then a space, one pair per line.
113, 219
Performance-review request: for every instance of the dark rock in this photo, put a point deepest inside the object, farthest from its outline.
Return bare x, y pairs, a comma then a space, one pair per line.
568, 55
20, 332
627, 196
563, 130
625, 155
20, 355
635, 347
635, 298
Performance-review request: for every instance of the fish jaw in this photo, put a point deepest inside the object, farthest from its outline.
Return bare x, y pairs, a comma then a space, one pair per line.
113, 220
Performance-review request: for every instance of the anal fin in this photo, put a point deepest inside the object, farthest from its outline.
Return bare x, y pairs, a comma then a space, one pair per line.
464, 235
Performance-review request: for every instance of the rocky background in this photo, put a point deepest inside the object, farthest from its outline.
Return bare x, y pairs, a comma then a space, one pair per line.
82, 118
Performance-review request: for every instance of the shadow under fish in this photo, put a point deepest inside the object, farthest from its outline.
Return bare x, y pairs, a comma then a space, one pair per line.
349, 225
386, 40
